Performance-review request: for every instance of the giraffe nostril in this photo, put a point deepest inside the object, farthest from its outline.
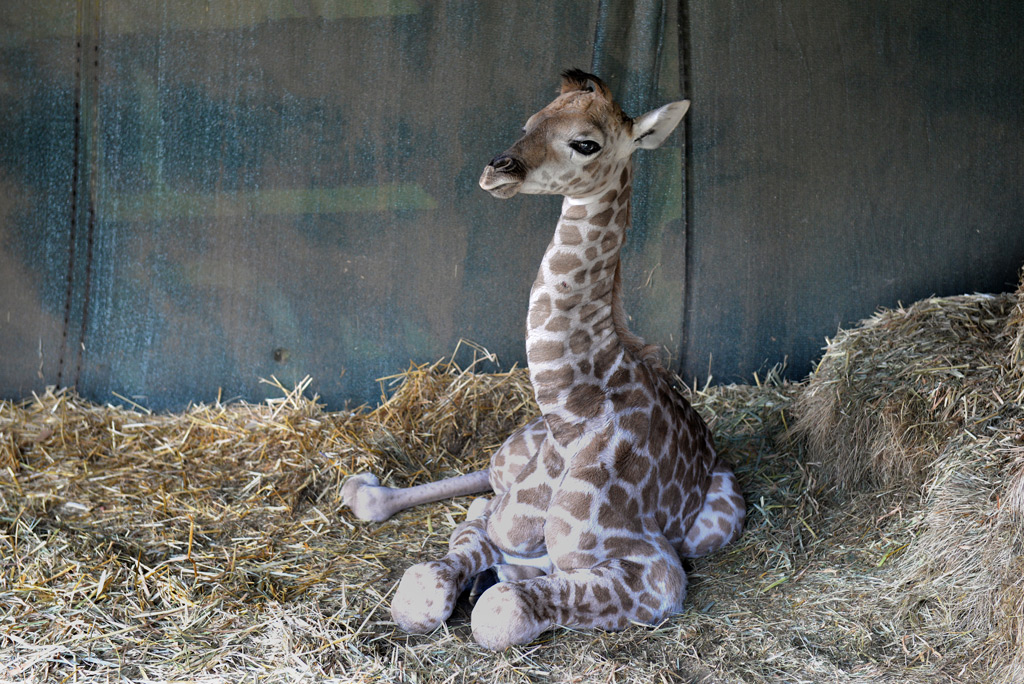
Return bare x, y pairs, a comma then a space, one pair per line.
506, 164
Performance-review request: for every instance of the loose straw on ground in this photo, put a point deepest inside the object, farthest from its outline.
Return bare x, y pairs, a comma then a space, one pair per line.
883, 542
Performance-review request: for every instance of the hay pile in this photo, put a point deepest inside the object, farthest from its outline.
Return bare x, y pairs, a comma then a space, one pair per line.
883, 541
924, 407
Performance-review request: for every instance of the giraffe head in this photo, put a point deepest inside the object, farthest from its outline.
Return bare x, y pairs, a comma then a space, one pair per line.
579, 144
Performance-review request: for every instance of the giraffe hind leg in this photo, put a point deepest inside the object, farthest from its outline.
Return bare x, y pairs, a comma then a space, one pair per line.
720, 520
369, 500
516, 452
608, 596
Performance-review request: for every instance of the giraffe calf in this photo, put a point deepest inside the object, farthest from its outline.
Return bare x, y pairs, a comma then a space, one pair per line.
597, 499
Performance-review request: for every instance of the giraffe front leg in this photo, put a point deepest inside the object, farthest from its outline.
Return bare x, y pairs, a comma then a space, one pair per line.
608, 596
425, 597
427, 592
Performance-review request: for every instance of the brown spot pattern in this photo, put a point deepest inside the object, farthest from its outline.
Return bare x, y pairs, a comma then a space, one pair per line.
567, 303
575, 212
564, 262
636, 422
586, 401
553, 464
545, 351
601, 220
558, 324
629, 466
559, 378
570, 235
540, 310
595, 475
577, 504
579, 341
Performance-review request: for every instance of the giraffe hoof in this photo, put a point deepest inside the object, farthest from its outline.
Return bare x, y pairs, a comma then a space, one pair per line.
424, 599
501, 619
365, 497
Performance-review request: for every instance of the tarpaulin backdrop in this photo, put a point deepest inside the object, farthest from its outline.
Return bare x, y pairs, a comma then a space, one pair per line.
198, 195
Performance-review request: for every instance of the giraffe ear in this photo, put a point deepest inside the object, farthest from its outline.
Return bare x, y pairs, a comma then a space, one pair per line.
651, 129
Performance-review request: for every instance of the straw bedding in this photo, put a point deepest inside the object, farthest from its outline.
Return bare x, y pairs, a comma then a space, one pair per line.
884, 535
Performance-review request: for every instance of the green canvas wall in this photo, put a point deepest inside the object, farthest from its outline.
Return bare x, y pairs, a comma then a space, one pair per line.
195, 196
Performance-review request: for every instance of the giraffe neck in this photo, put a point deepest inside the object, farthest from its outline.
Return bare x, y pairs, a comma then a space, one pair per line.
575, 328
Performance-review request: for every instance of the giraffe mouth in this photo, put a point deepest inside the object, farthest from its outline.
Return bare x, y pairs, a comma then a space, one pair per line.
505, 190
502, 178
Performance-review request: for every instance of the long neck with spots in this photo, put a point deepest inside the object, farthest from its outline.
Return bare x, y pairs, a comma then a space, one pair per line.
574, 335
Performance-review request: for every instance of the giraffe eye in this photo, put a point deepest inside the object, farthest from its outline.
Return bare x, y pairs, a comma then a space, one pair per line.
585, 147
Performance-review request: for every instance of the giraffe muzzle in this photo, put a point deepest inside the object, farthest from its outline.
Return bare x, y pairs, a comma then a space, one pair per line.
503, 176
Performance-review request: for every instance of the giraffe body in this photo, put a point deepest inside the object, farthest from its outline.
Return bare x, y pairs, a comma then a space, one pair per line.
598, 498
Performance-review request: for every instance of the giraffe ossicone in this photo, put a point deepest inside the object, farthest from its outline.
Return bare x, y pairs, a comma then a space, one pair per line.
597, 499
